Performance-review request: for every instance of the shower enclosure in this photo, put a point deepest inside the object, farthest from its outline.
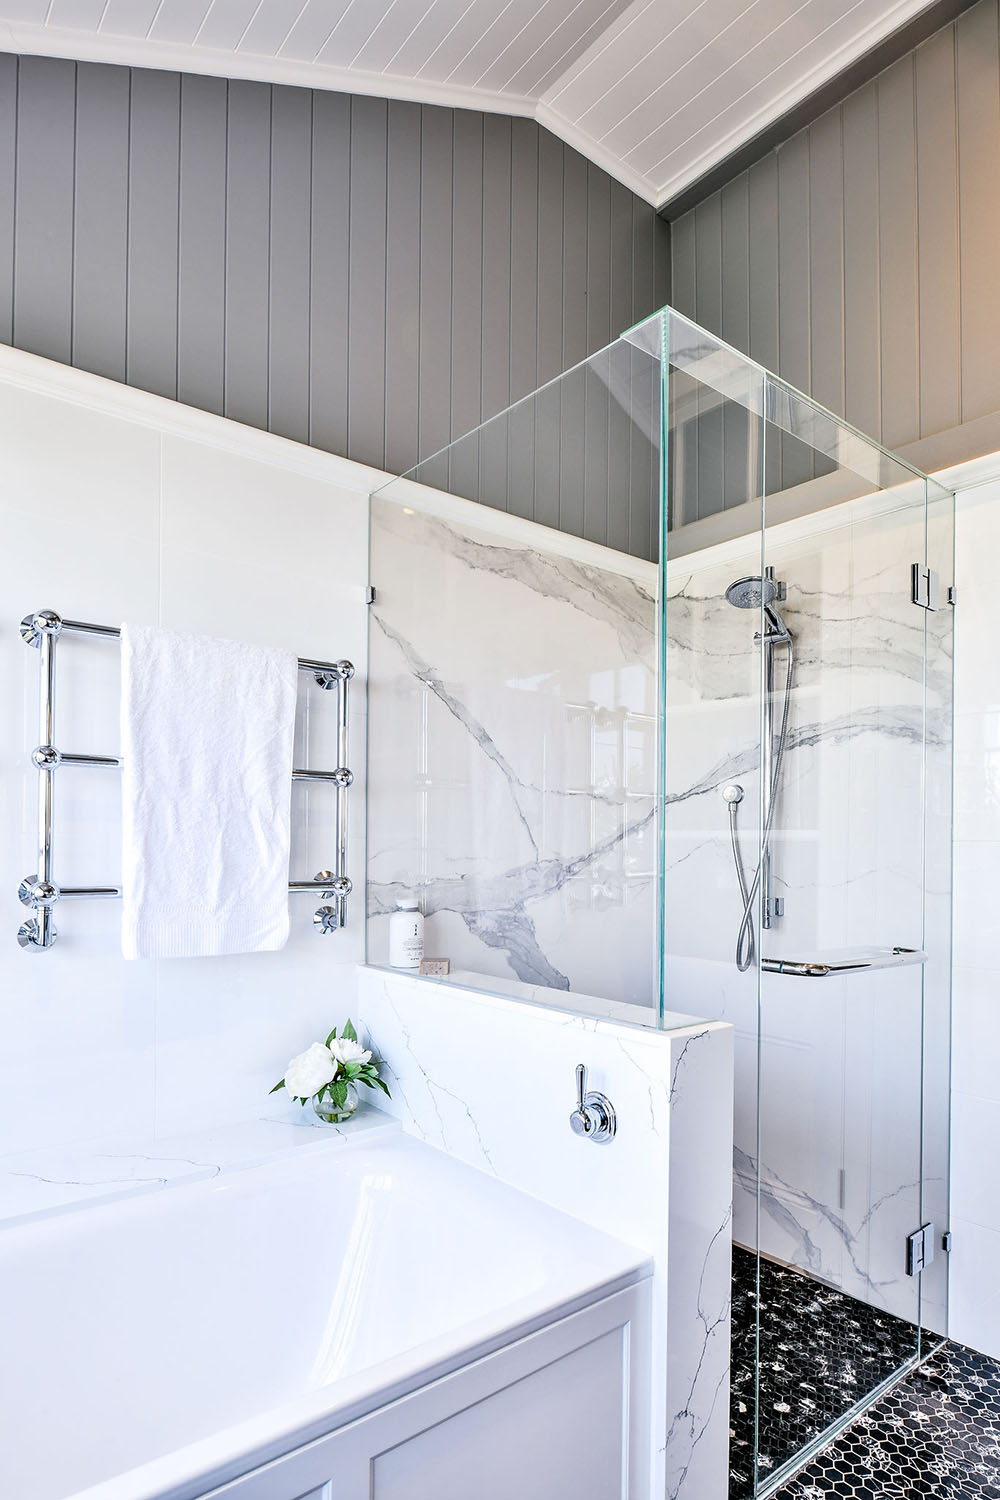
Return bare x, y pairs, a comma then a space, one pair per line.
660, 715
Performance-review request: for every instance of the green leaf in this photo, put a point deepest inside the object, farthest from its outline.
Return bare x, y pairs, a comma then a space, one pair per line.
349, 1031
279, 1085
380, 1083
331, 1038
338, 1094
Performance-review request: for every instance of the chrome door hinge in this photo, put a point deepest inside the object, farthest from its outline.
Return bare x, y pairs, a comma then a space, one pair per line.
919, 1249
370, 596
946, 1242
925, 586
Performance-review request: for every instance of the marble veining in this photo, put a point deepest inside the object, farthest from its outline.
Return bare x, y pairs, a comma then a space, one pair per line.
663, 1184
522, 808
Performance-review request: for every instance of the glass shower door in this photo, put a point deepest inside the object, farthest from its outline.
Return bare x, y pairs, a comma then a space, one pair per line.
842, 1180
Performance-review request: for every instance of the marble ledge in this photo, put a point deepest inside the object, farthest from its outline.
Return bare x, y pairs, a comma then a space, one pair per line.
568, 1006
51, 1180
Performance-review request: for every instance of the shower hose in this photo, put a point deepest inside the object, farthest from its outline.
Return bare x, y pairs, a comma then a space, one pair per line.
745, 946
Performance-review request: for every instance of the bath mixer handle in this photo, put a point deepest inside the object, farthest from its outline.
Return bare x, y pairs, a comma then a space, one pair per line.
594, 1116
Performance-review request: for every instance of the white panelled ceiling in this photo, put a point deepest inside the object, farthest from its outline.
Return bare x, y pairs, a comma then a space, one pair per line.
655, 91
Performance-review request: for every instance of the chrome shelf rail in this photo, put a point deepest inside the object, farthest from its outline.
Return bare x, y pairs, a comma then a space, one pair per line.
41, 893
858, 962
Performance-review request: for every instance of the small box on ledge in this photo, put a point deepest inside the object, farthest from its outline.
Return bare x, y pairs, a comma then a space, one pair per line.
435, 966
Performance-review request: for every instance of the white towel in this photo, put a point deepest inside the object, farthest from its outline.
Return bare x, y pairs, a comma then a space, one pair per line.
207, 731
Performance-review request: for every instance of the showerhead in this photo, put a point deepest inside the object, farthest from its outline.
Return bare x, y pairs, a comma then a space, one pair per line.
752, 593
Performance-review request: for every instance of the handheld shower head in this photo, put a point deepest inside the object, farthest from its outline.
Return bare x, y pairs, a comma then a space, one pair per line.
761, 593
752, 593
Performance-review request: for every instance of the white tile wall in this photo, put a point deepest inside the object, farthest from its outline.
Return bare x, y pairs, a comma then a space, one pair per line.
975, 1182
116, 505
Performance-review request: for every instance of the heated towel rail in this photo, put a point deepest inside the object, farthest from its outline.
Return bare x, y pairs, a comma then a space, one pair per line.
41, 893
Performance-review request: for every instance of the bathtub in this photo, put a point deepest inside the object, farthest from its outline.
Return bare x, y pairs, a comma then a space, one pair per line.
372, 1321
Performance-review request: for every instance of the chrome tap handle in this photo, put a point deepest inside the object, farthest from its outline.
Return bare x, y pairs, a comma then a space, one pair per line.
594, 1116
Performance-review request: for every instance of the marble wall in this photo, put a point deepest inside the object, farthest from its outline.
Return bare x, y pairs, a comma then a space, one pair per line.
839, 1059
461, 1066
513, 742
548, 893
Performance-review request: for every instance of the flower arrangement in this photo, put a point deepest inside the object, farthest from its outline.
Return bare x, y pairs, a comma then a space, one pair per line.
328, 1073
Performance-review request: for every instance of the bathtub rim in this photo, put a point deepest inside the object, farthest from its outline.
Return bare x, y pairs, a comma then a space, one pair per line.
198, 1468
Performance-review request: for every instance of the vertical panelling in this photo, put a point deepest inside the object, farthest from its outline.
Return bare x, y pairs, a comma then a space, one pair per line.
643, 246
43, 253
549, 345
826, 260
794, 291
467, 286
596, 497
495, 276
100, 266
288, 318
402, 285
8, 147
367, 281
523, 314
978, 76
329, 267
523, 256
496, 268
622, 280
368, 277
153, 199
764, 466
861, 262
898, 297
248, 176
711, 413
574, 322
201, 253
735, 207
683, 250
436, 173
937, 235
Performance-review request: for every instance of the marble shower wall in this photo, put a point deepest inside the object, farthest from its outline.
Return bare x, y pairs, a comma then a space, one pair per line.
840, 1059
461, 1064
533, 852
513, 741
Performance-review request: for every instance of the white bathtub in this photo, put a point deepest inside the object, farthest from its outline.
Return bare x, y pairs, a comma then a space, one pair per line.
373, 1320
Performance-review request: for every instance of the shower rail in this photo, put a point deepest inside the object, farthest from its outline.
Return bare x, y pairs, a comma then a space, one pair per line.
41, 630
822, 967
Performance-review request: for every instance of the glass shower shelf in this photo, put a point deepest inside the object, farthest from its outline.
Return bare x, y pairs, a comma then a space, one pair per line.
844, 961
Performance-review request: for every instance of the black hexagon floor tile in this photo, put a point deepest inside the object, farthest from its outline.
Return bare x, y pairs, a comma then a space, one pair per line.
821, 1352
936, 1434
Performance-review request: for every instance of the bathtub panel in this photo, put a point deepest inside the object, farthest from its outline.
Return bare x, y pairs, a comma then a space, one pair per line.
553, 1416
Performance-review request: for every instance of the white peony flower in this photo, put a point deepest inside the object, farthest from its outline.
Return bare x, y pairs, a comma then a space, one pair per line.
310, 1071
346, 1051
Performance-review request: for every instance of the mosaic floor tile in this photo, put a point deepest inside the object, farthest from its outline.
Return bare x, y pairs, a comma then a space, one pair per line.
820, 1353
936, 1434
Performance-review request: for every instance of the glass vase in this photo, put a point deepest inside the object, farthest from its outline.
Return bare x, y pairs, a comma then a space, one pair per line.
336, 1114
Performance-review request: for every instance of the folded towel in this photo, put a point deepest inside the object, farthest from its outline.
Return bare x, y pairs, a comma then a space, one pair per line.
207, 731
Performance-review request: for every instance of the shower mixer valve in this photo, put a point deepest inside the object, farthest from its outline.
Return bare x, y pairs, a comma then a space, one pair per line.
594, 1116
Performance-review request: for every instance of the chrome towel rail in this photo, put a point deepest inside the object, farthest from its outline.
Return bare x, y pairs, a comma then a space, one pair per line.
846, 963
40, 892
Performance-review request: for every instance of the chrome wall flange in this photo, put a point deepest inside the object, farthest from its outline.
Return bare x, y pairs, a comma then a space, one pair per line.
594, 1117
29, 936
34, 892
331, 677
42, 622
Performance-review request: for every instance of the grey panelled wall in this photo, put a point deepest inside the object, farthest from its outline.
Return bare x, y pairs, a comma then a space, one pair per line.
369, 276
859, 259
